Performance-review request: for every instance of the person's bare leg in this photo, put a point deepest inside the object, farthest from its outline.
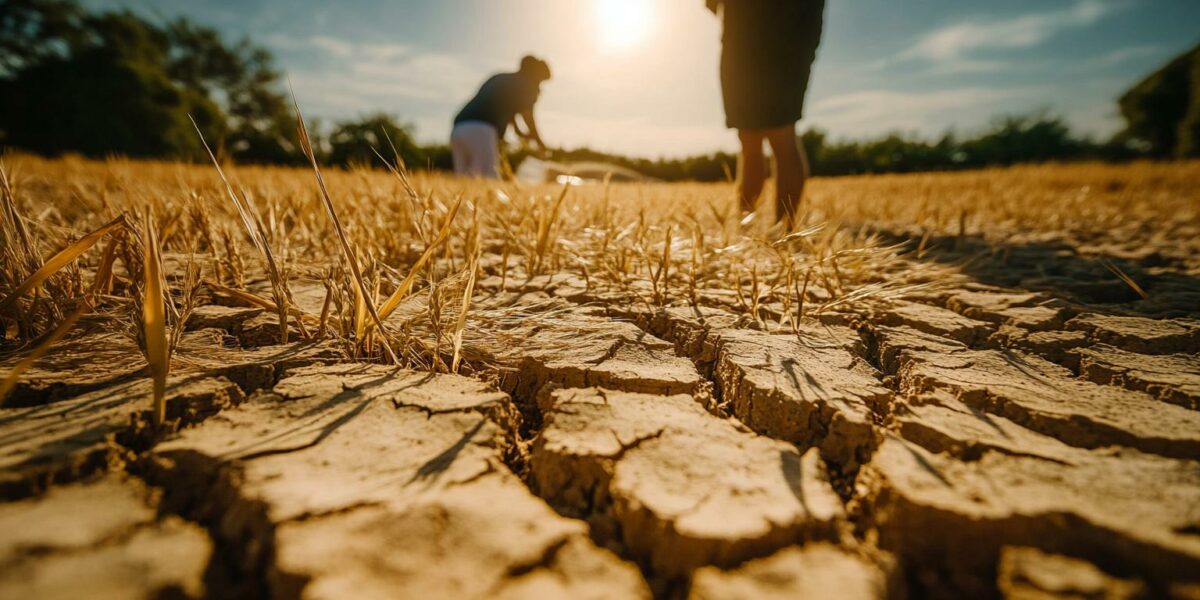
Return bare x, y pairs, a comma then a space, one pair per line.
752, 169
791, 172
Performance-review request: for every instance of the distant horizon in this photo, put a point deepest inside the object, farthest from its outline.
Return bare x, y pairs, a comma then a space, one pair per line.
915, 68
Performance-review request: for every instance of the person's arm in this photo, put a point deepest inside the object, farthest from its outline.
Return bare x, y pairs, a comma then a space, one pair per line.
516, 126
532, 130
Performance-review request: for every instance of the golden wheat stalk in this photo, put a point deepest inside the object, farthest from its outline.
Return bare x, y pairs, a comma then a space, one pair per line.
545, 226
1127, 279
461, 325
258, 235
254, 300
393, 302
103, 281
154, 322
347, 251
13, 216
64, 257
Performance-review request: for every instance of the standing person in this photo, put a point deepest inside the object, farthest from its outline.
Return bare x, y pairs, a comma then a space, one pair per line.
483, 122
768, 48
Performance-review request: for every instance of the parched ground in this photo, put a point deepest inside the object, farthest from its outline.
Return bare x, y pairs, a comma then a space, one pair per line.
1026, 426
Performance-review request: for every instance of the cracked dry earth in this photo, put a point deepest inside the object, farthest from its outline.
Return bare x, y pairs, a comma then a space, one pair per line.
978, 441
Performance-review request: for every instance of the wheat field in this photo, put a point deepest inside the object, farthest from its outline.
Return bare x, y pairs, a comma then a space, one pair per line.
250, 381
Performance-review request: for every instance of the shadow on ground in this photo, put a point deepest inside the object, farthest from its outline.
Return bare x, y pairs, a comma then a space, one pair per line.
1059, 269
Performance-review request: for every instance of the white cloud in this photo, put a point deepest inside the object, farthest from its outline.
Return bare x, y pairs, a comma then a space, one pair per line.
352, 77
956, 42
1121, 56
871, 112
339, 48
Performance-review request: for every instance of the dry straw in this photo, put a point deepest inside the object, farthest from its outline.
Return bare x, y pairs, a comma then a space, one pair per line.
154, 320
347, 252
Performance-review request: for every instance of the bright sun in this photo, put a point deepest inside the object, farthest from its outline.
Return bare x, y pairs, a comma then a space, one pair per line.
623, 24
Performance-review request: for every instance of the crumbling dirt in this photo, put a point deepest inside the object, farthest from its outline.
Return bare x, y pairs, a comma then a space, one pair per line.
343, 480
1031, 573
809, 572
677, 488
102, 539
931, 449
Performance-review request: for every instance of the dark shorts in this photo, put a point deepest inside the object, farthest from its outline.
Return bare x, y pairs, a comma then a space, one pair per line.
768, 49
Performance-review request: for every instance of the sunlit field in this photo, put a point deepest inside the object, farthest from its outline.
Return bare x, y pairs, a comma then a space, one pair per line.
303, 347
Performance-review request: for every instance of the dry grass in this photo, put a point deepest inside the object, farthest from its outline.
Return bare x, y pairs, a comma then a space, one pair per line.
430, 271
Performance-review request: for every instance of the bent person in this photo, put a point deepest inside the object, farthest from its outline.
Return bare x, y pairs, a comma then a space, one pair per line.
484, 121
768, 48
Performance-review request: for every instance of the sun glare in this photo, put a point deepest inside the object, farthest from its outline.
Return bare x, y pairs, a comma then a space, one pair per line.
623, 24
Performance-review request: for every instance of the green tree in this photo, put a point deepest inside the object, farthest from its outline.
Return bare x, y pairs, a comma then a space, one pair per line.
1030, 138
34, 30
261, 126
108, 92
356, 142
113, 82
1163, 110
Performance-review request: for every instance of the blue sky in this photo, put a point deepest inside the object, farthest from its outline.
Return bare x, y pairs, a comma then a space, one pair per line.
640, 76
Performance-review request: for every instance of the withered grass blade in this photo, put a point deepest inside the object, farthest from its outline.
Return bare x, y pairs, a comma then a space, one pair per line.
64, 257
103, 281
1127, 279
257, 232
405, 286
154, 322
461, 325
347, 251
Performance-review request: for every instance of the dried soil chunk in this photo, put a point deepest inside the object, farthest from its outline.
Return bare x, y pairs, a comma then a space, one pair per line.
487, 539
99, 540
1173, 378
1047, 398
261, 330
1024, 310
1033, 318
252, 369
584, 350
694, 330
808, 390
73, 438
1141, 335
936, 321
1054, 346
370, 481
214, 316
677, 486
814, 571
1030, 574
76, 366
892, 342
940, 423
1119, 508
990, 305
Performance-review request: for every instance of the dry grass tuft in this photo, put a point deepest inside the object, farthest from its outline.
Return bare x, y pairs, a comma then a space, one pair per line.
438, 273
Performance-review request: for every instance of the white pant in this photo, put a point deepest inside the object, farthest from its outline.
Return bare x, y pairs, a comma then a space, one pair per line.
475, 146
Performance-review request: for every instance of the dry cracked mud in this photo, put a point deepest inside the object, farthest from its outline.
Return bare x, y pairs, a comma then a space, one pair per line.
970, 442
346, 480
102, 539
677, 488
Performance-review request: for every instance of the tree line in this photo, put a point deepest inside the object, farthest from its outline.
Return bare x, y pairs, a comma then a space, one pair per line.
1037, 137
112, 82
102, 83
